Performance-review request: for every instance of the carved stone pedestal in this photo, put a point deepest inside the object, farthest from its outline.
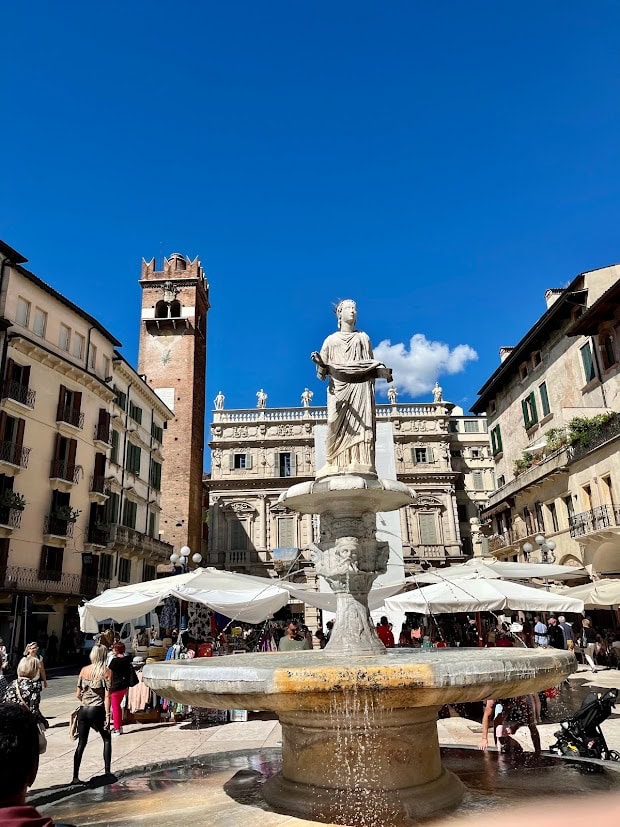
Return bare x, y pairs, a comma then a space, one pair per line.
348, 555
358, 765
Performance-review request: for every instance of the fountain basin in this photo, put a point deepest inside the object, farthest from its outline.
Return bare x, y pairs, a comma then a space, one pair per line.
361, 728
349, 494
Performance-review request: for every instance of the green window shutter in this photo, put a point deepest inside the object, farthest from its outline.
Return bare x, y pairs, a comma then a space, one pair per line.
114, 449
533, 410
544, 399
588, 365
499, 439
526, 415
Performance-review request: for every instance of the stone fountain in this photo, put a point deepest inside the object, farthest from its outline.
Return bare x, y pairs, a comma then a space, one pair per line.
359, 731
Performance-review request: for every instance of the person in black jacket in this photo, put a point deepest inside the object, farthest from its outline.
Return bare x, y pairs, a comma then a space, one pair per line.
555, 634
122, 678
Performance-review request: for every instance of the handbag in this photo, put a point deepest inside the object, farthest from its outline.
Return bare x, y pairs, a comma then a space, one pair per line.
73, 724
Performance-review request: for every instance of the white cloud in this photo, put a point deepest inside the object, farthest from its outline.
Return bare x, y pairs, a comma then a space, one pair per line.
417, 369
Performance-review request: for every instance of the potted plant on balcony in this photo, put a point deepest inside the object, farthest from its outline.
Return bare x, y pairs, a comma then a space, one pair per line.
12, 499
66, 513
555, 439
525, 461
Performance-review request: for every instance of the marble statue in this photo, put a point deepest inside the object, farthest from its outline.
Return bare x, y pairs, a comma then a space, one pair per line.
219, 401
306, 398
346, 359
261, 399
392, 395
437, 393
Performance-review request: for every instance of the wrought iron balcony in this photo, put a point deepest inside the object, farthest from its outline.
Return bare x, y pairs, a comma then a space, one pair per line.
102, 434
19, 393
128, 538
71, 416
598, 519
10, 517
62, 470
14, 454
57, 526
44, 581
98, 485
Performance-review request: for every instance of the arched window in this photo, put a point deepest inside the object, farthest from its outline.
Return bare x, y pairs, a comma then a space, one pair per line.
175, 309
161, 310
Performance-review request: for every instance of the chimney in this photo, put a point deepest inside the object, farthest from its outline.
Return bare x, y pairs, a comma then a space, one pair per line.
504, 353
552, 295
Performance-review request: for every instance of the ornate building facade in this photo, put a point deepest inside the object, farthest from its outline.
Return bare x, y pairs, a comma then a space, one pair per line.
256, 454
172, 355
553, 407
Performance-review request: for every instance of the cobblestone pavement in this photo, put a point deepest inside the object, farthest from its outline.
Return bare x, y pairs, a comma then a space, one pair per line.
143, 744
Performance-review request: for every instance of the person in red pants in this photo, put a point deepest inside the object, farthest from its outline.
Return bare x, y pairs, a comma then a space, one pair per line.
121, 669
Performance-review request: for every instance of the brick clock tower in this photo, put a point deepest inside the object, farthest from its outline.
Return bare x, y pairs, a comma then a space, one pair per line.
173, 355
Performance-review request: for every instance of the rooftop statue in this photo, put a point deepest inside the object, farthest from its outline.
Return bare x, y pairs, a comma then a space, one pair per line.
346, 360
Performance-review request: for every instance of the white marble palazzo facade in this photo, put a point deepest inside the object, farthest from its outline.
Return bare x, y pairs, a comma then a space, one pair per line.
256, 454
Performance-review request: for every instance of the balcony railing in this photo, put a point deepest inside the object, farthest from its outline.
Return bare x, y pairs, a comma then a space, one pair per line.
101, 434
14, 454
72, 416
62, 470
50, 582
598, 519
237, 558
98, 536
98, 485
10, 517
502, 540
57, 527
19, 393
125, 537
424, 550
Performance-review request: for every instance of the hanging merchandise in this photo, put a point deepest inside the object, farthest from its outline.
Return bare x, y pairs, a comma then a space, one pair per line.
169, 613
199, 624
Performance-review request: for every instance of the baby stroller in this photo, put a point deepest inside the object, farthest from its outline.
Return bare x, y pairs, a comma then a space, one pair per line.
581, 735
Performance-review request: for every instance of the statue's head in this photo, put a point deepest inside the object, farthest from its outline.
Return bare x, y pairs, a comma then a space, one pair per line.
346, 310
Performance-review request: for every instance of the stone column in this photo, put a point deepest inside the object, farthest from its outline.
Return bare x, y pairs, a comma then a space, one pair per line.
263, 521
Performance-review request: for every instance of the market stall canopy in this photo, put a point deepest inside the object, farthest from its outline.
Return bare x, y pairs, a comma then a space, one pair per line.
600, 593
498, 569
478, 595
239, 596
249, 599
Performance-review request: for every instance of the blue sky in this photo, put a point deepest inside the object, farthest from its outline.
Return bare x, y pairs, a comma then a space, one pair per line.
442, 163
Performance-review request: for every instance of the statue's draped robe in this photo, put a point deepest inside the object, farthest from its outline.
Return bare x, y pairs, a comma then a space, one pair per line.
350, 400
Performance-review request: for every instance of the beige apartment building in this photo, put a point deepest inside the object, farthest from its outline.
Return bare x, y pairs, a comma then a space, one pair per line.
552, 407
257, 454
59, 534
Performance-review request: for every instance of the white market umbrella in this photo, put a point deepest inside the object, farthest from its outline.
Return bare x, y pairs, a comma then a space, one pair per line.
250, 599
480, 595
477, 567
601, 593
326, 601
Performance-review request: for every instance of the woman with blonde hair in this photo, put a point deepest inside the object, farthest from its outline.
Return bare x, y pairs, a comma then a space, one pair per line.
26, 688
93, 693
32, 651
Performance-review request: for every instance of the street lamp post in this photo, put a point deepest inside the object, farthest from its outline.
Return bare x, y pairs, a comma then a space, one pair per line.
182, 558
547, 548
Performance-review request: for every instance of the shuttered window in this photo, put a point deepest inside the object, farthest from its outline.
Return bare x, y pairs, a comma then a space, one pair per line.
496, 440
134, 454
155, 475
588, 364
238, 535
544, 399
530, 414
130, 511
286, 532
428, 529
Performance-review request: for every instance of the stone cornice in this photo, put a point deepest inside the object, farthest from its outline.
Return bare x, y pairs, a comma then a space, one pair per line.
61, 365
124, 370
